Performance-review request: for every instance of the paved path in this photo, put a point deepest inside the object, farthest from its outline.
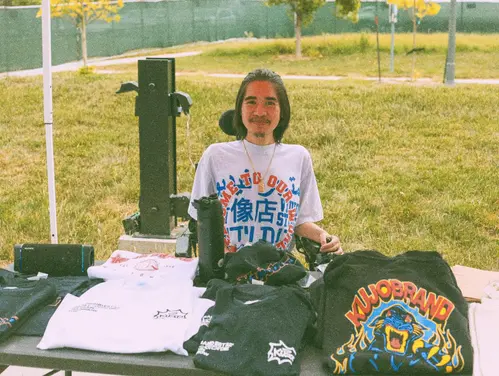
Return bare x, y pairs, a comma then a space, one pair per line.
103, 62
100, 62
383, 79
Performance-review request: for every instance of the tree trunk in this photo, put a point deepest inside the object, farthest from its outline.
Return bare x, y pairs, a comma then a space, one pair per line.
84, 41
298, 35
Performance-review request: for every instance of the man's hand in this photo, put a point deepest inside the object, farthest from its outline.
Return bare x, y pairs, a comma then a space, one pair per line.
330, 243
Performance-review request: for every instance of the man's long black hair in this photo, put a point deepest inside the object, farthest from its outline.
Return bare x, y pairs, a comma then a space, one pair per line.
282, 96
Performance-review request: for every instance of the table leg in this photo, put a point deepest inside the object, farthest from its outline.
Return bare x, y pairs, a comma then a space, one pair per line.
53, 372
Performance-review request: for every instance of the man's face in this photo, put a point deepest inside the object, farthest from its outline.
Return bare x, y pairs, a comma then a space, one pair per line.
260, 112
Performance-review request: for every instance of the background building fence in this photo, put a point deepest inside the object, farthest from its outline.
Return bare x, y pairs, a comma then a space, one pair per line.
175, 22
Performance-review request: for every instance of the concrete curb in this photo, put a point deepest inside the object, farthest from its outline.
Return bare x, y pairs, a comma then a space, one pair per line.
103, 62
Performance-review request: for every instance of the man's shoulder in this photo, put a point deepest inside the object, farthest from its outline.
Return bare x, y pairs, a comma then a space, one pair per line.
294, 148
221, 147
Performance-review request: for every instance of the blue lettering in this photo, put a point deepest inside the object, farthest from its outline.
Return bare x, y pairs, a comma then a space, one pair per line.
250, 230
278, 237
268, 193
236, 233
242, 210
268, 230
221, 187
282, 219
238, 230
294, 190
265, 211
241, 184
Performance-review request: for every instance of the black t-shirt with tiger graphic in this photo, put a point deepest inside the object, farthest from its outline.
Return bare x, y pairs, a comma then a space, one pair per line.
402, 314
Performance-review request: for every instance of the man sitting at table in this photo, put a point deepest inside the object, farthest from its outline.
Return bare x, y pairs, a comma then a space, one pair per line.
267, 189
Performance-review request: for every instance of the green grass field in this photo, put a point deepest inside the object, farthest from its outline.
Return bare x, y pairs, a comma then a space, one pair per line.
345, 55
399, 167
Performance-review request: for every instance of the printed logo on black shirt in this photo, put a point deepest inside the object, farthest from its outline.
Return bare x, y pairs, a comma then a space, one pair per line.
205, 321
204, 346
398, 327
281, 353
8, 321
171, 314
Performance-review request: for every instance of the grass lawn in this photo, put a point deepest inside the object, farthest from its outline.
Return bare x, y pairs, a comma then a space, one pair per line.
344, 55
399, 167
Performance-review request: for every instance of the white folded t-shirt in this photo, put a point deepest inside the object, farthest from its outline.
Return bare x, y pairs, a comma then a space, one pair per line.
128, 316
484, 331
126, 264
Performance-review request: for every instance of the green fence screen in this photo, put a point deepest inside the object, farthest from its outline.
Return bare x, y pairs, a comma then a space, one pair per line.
169, 23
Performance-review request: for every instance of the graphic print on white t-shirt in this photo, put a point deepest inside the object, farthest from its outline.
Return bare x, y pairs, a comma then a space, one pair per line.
147, 265
126, 264
290, 195
92, 307
171, 314
271, 216
124, 316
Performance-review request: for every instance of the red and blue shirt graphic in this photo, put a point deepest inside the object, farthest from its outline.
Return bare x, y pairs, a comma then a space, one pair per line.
290, 195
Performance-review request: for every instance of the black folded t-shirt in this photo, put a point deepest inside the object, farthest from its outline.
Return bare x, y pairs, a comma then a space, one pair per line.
256, 330
402, 314
20, 299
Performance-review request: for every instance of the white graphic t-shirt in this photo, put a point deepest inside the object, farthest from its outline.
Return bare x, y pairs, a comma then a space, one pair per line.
290, 195
126, 264
128, 316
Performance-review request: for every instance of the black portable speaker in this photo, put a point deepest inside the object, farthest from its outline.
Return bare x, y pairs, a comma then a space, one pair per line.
56, 260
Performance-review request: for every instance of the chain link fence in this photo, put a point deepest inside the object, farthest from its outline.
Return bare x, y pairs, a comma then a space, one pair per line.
175, 22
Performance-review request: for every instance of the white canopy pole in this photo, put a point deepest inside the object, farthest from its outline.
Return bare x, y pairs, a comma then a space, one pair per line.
47, 114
